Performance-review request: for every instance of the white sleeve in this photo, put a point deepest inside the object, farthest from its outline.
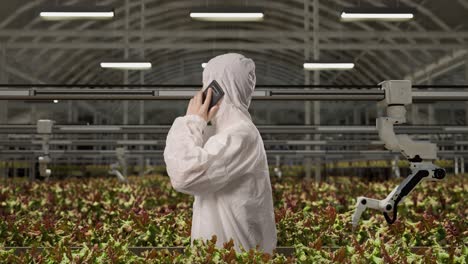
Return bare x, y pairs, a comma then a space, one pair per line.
194, 168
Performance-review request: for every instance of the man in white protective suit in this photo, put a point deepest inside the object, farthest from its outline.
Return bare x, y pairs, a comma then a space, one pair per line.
227, 172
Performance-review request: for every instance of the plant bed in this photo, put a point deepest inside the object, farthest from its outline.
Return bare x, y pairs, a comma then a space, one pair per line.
94, 219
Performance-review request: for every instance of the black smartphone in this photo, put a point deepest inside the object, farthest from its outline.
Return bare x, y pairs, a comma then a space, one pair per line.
216, 95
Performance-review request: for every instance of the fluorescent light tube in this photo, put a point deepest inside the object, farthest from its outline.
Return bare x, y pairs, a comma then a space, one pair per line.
204, 65
317, 66
385, 14
126, 65
233, 17
76, 15
371, 16
77, 12
228, 14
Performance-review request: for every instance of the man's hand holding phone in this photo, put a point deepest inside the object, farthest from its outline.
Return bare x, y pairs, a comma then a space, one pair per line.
200, 108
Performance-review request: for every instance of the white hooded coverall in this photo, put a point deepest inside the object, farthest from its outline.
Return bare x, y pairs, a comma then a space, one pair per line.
227, 173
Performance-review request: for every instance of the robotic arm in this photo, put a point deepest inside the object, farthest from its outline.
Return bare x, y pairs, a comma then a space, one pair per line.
121, 163
420, 154
44, 128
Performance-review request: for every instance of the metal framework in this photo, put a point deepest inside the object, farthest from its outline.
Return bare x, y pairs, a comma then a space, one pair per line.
294, 31
282, 31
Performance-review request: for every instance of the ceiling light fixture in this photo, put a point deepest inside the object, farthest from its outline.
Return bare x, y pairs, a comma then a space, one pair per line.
126, 65
384, 14
77, 12
319, 66
204, 65
227, 14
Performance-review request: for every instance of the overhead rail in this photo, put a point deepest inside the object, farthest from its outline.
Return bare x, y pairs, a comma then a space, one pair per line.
304, 153
159, 86
265, 94
264, 129
105, 142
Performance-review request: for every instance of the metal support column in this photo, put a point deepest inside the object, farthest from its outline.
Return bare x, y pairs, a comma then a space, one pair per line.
430, 109
142, 81
15, 169
366, 118
466, 109
317, 82
3, 105
70, 111
32, 169
3, 79
70, 120
32, 120
431, 115
453, 116
357, 116
462, 165
415, 114
97, 121
307, 104
126, 56
466, 81
33, 158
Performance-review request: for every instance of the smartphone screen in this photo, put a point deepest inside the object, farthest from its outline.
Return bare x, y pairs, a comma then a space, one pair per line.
216, 95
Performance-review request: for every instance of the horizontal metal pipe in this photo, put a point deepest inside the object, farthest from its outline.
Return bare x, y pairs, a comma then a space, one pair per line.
224, 45
266, 142
264, 129
238, 33
34, 94
308, 153
185, 86
154, 94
